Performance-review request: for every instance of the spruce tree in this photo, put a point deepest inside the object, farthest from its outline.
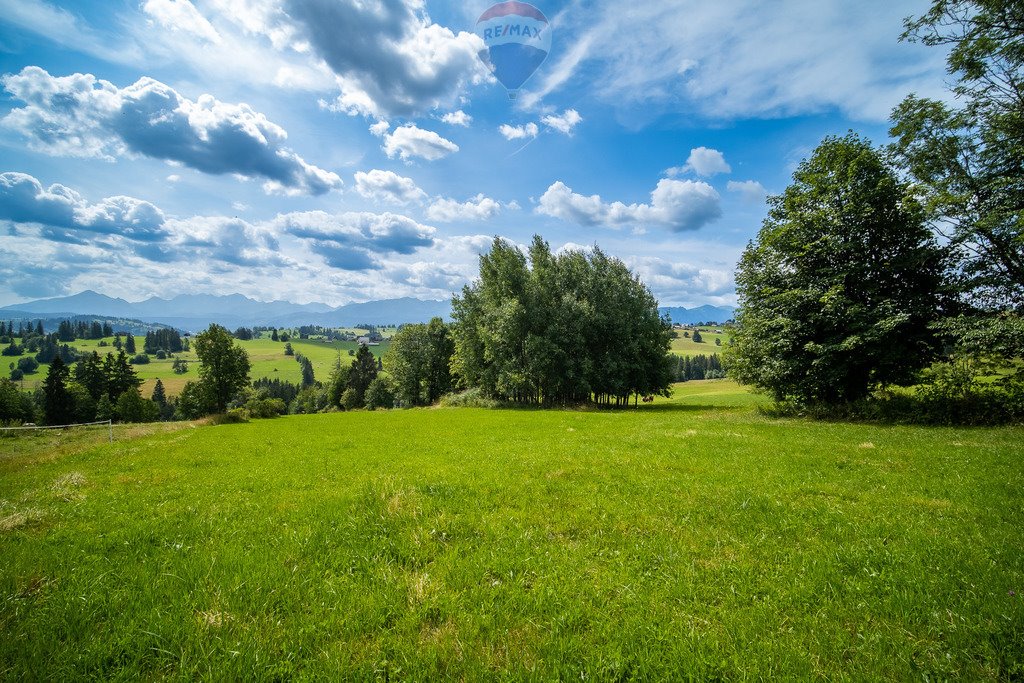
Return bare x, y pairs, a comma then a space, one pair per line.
58, 403
159, 397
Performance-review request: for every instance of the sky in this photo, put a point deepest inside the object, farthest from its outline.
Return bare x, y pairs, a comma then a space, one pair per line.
351, 150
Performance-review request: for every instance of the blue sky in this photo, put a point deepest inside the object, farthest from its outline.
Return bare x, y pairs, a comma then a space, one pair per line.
338, 151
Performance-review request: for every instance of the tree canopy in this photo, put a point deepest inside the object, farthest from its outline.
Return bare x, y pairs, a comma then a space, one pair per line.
559, 329
839, 288
224, 367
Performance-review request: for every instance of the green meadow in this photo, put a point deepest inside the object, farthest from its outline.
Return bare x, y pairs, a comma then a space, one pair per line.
691, 538
267, 358
685, 346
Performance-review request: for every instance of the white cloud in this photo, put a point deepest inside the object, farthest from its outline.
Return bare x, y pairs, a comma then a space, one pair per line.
564, 123
389, 58
387, 186
528, 130
380, 129
457, 118
704, 162
66, 215
181, 15
678, 205
479, 208
355, 241
751, 191
745, 58
410, 141
173, 178
82, 116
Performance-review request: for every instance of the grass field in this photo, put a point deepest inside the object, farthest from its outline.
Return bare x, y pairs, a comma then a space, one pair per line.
684, 346
691, 538
267, 358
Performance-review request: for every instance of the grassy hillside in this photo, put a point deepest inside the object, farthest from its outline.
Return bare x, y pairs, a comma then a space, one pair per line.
684, 346
267, 358
692, 537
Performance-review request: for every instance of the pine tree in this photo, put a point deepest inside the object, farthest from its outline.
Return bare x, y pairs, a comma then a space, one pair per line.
273, 335
58, 403
129, 344
159, 397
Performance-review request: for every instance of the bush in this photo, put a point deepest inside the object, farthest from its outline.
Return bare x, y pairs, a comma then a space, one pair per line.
28, 365
17, 375
161, 355
350, 399
131, 407
380, 393
470, 398
140, 359
231, 417
262, 408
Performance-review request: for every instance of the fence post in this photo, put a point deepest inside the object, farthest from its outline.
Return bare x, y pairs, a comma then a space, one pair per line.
110, 426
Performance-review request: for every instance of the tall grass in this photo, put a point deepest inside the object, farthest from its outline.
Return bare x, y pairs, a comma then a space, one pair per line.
695, 538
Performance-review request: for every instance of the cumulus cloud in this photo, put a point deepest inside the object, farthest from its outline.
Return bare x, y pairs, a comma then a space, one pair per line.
181, 15
410, 141
528, 130
354, 241
24, 200
563, 123
388, 187
227, 240
704, 162
457, 118
82, 116
751, 191
479, 208
389, 57
678, 205
673, 280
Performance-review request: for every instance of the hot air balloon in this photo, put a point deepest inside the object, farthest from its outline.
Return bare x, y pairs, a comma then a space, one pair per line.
517, 40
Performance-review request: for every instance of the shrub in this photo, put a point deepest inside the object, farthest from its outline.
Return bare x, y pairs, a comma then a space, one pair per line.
140, 359
350, 399
28, 365
17, 375
380, 393
470, 398
262, 408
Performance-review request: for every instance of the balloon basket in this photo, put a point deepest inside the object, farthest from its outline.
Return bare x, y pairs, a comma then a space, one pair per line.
512, 94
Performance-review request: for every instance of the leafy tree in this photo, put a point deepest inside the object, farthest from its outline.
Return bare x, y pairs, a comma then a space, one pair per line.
969, 160
131, 407
407, 361
224, 367
179, 366
58, 402
28, 365
380, 393
350, 399
17, 375
573, 327
15, 406
697, 338
839, 288
192, 402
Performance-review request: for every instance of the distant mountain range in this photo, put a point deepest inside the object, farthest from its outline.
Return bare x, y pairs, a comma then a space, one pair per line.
194, 312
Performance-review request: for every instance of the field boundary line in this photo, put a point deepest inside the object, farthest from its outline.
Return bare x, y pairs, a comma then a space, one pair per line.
108, 423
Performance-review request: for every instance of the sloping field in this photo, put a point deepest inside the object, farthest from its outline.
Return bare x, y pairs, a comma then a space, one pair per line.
691, 538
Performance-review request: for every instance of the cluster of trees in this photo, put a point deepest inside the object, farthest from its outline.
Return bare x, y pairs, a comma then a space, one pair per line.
7, 332
167, 340
308, 379
68, 331
419, 363
561, 329
686, 368
875, 264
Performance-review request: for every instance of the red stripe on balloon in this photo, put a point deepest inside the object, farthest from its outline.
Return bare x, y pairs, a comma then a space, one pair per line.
503, 9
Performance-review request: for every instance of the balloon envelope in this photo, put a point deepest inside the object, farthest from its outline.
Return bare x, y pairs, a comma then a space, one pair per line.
517, 38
